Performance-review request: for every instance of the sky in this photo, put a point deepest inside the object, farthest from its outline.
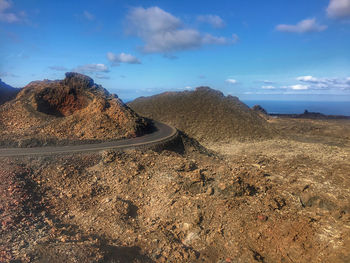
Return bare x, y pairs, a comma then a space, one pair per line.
253, 49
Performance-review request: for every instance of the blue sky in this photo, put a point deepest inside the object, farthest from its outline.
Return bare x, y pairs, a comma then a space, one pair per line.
267, 50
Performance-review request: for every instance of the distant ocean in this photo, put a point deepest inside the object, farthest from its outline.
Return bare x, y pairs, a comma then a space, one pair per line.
288, 107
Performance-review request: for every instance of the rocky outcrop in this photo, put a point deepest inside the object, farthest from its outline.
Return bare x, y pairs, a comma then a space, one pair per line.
259, 109
7, 92
71, 109
205, 114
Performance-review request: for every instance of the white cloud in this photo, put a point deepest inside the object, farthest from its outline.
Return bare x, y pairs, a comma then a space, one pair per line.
267, 82
188, 87
150, 21
213, 20
268, 87
116, 59
309, 85
164, 33
8, 17
304, 26
339, 9
299, 87
307, 79
231, 81
170, 41
88, 16
326, 83
4, 5
91, 68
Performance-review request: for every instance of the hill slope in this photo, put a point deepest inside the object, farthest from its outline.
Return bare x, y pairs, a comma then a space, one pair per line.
71, 109
204, 114
7, 92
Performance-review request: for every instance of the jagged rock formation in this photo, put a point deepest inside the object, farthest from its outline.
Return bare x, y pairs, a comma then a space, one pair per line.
205, 114
71, 109
7, 92
259, 109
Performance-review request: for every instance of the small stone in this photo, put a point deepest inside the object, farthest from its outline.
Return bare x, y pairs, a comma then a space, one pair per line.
162, 259
222, 186
186, 226
262, 218
210, 191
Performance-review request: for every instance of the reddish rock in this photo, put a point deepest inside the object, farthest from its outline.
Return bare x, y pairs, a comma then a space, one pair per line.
71, 109
262, 218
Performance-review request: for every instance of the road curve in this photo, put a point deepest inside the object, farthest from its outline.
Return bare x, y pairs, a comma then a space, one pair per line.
163, 133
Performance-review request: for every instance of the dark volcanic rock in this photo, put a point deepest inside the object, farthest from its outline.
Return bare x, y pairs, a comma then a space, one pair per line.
259, 109
7, 92
77, 80
312, 115
204, 114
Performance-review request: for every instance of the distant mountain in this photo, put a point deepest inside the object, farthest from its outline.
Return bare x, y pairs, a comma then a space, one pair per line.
7, 92
205, 114
311, 115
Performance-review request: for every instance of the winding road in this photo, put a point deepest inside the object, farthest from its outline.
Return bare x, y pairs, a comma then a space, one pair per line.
163, 133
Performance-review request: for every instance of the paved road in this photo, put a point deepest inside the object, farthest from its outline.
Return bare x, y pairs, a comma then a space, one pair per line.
163, 133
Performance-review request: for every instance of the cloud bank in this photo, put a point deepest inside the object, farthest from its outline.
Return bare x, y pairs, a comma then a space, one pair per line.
213, 20
325, 83
304, 26
310, 83
314, 83
5, 15
116, 59
164, 33
339, 9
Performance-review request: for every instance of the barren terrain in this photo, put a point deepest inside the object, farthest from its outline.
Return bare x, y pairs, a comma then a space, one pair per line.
281, 200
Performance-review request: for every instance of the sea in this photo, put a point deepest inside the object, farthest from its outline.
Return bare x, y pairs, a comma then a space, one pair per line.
298, 107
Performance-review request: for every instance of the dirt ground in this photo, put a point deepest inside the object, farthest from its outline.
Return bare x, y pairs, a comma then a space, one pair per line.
280, 200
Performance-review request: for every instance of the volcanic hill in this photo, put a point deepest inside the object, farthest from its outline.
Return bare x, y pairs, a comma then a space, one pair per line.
7, 92
205, 114
73, 109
